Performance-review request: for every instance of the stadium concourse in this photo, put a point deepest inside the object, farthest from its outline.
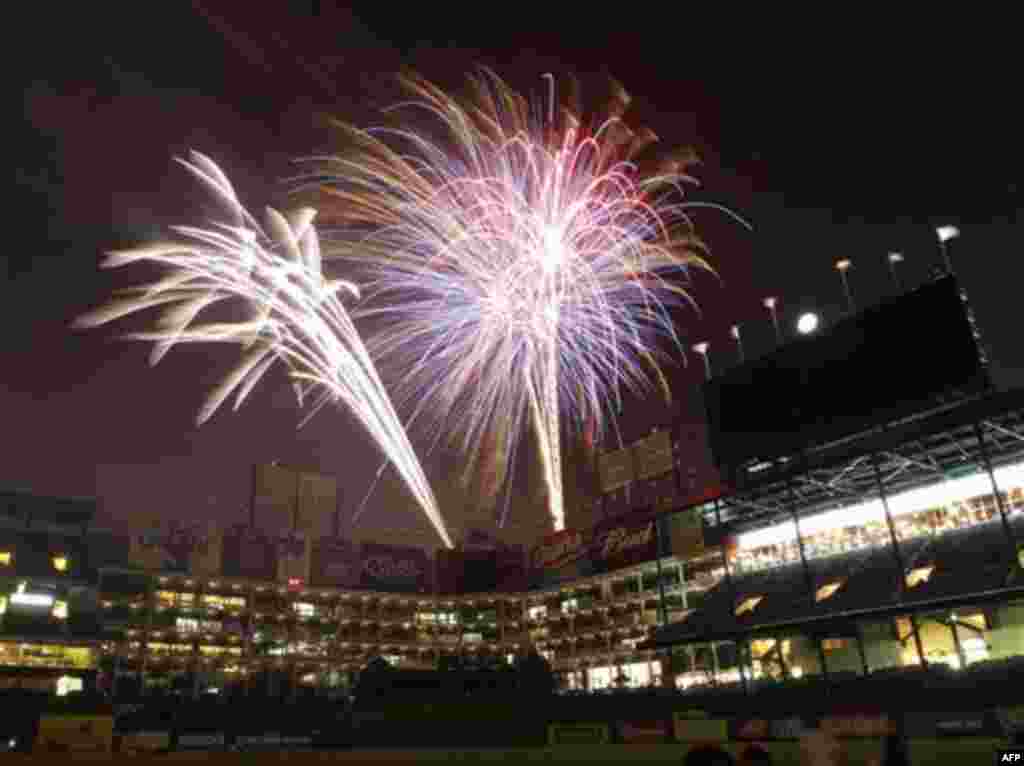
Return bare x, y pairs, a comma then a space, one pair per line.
895, 553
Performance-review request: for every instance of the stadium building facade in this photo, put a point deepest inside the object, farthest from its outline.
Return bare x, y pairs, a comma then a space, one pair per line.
851, 550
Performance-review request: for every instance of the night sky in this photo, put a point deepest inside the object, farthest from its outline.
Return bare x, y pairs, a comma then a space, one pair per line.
833, 139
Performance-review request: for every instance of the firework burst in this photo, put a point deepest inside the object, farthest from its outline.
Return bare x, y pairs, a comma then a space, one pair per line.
518, 269
296, 317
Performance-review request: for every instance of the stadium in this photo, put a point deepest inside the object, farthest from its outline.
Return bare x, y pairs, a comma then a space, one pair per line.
861, 539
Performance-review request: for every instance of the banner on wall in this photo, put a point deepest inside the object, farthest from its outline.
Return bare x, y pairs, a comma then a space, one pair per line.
652, 455
615, 469
394, 568
335, 563
294, 557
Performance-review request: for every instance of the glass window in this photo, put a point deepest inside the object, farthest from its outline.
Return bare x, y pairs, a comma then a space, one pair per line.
304, 610
570, 605
186, 625
885, 642
538, 612
166, 598
600, 678
5, 558
214, 601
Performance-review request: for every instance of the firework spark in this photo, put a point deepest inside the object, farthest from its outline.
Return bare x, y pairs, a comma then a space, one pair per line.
297, 318
510, 259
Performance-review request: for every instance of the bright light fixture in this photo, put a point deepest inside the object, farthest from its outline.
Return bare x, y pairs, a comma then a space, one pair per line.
917, 576
843, 264
748, 605
701, 348
895, 257
827, 591
947, 233
807, 323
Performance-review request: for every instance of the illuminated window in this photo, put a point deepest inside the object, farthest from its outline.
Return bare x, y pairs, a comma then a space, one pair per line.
186, 625
827, 591
303, 609
904, 628
833, 644
537, 612
68, 684
60, 610
570, 605
60, 563
5, 558
748, 605
1020, 557
165, 598
917, 576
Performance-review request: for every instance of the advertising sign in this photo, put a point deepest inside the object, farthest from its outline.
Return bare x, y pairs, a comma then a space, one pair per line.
294, 557
144, 742
76, 733
760, 729
561, 556
652, 456
615, 469
394, 568
200, 740
610, 545
693, 726
578, 734
619, 543
976, 723
651, 732
335, 563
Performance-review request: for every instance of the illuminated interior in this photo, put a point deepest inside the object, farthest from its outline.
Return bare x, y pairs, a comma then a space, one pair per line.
47, 656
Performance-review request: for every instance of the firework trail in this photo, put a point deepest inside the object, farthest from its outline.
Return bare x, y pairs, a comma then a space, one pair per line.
297, 318
509, 259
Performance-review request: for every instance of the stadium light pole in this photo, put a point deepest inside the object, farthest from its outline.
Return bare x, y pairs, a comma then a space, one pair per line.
771, 303
945, 234
702, 349
892, 259
842, 266
734, 331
